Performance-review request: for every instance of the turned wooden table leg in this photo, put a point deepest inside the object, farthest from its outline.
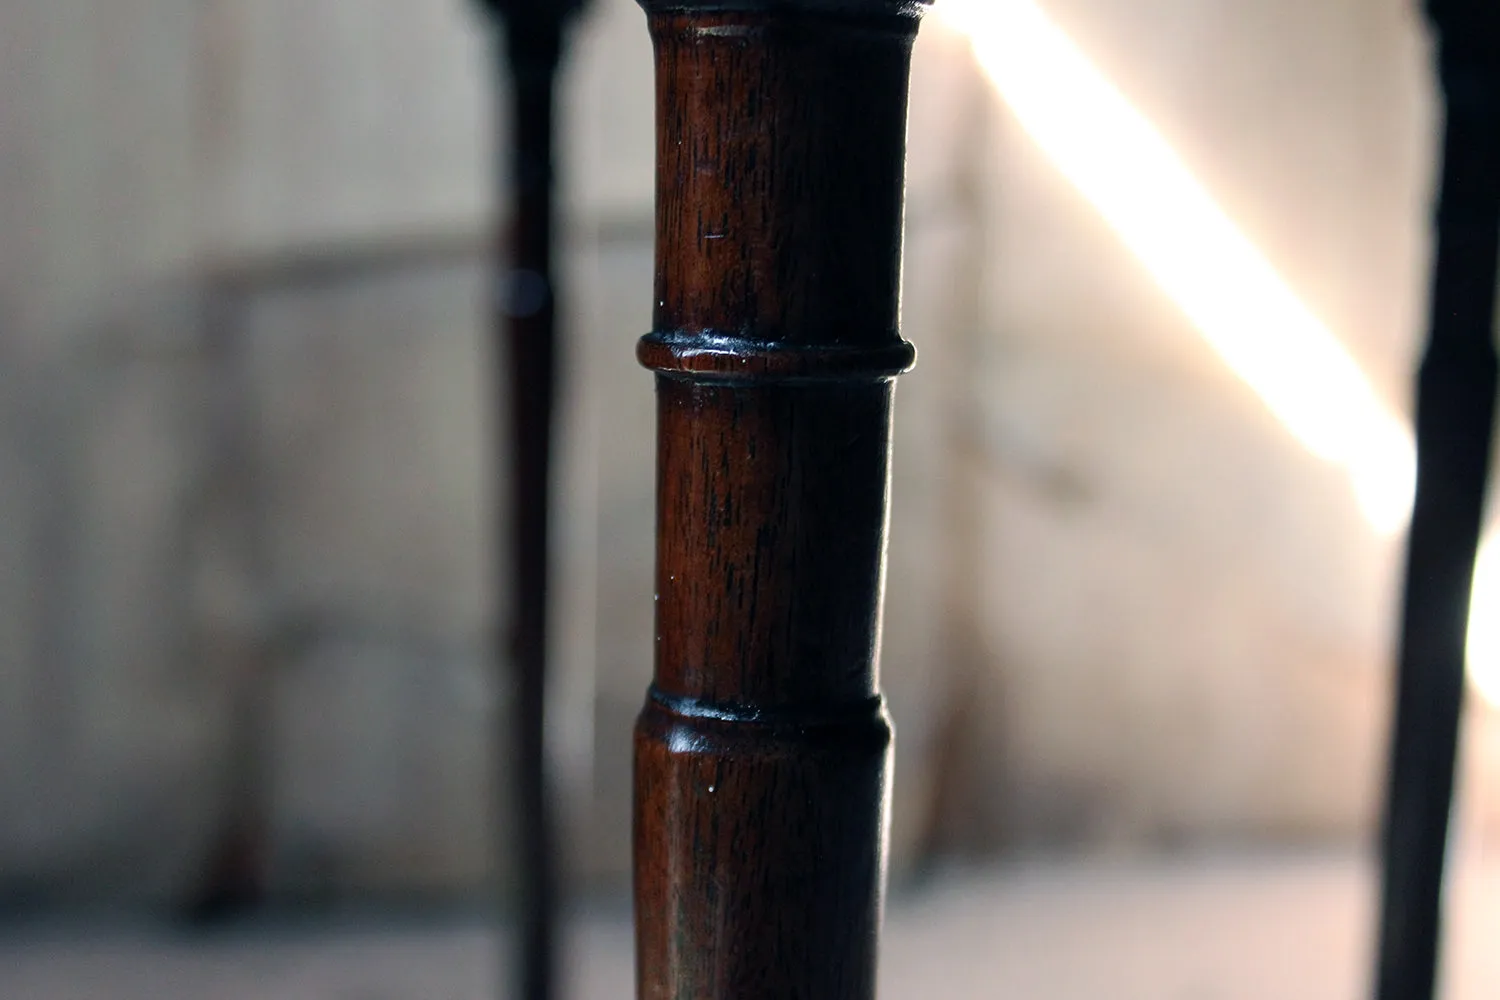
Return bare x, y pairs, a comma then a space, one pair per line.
762, 754
1455, 413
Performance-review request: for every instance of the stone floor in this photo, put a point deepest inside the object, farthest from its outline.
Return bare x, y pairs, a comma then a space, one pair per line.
1198, 928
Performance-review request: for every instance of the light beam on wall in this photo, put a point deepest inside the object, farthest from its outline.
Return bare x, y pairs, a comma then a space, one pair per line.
1484, 621
1230, 292
1227, 288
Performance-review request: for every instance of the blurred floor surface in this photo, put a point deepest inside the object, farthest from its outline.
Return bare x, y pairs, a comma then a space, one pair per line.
1198, 928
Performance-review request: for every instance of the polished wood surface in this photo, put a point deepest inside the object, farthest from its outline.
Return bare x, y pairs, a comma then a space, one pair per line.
762, 753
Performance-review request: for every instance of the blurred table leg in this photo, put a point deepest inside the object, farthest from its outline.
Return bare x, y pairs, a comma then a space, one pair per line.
1455, 412
524, 299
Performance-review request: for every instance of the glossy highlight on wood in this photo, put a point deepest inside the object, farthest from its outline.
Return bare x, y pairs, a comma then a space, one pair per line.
762, 753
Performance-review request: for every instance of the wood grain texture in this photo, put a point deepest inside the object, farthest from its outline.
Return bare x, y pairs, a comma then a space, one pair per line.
762, 755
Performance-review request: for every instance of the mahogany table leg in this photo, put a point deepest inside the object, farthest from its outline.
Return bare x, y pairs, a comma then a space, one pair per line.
761, 756
1455, 412
524, 324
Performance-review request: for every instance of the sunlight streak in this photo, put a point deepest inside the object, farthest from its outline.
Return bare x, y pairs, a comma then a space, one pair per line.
1484, 621
1227, 288
1221, 281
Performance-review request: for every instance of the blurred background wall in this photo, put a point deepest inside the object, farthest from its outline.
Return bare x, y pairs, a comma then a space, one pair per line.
247, 440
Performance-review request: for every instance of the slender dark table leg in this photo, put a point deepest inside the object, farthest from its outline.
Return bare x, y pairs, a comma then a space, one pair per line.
524, 302
761, 756
1455, 411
